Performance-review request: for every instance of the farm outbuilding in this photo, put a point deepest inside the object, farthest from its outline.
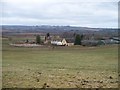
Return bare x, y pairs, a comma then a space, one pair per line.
89, 42
110, 41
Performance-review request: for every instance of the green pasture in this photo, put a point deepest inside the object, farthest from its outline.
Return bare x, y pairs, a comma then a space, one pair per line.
59, 66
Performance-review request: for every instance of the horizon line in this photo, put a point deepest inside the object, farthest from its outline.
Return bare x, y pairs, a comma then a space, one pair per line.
59, 26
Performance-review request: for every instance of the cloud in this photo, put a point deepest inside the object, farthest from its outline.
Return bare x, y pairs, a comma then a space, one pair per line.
61, 12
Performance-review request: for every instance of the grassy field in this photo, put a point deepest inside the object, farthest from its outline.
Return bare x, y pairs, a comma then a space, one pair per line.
61, 67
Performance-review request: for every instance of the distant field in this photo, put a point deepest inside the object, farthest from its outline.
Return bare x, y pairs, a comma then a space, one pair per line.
68, 67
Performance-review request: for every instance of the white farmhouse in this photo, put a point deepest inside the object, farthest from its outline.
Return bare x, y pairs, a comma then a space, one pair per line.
59, 42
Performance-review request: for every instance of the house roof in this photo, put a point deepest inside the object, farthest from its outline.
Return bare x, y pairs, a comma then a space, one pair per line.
89, 41
70, 40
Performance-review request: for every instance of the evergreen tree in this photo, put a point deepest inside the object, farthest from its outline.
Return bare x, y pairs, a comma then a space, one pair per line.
48, 35
27, 41
77, 40
38, 39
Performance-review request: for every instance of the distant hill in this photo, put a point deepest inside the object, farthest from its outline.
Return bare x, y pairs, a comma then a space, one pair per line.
11, 29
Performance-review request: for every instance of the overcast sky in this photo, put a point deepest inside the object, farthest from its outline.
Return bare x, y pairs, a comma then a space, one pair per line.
85, 13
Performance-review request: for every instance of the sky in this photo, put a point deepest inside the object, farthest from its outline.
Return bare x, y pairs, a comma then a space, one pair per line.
84, 13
